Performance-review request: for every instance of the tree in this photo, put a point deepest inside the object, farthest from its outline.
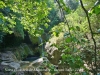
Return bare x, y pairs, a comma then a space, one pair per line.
18, 15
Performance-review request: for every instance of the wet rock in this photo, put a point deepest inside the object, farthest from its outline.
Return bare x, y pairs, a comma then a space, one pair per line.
1, 68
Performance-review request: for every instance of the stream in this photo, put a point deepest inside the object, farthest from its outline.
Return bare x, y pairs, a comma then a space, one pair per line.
36, 56
31, 58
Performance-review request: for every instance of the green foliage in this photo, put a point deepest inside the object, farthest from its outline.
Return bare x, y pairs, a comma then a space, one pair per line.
35, 16
53, 15
95, 10
75, 48
56, 30
89, 3
23, 51
18, 29
18, 15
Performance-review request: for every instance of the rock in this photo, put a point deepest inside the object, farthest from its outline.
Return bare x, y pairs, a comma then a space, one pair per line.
8, 56
50, 49
4, 63
38, 62
1, 68
10, 63
20, 73
54, 54
13, 65
1, 73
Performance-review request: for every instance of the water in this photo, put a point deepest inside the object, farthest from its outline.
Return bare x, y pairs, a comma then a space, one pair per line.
36, 56
31, 58
41, 46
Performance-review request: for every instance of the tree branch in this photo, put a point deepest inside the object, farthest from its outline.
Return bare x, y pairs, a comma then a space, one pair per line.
86, 12
60, 7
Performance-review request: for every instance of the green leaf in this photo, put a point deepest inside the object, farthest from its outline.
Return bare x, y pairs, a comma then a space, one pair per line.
55, 33
83, 40
67, 10
2, 4
97, 10
46, 25
72, 28
75, 49
1, 22
78, 28
74, 39
73, 60
63, 56
69, 40
61, 1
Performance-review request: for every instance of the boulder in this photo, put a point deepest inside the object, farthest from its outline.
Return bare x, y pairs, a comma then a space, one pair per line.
54, 54
8, 56
13, 65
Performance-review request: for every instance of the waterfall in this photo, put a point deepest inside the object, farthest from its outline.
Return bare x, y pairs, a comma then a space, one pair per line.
41, 46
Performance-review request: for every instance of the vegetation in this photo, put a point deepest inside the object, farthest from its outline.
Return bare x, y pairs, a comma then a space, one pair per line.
72, 25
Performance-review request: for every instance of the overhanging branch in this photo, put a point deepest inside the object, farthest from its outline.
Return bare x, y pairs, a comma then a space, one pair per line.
86, 12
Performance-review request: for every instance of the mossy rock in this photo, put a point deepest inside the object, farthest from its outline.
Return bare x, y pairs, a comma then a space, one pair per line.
17, 54
34, 39
23, 51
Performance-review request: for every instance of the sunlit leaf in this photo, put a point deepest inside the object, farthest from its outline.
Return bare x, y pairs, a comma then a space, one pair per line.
2, 4
97, 10
46, 25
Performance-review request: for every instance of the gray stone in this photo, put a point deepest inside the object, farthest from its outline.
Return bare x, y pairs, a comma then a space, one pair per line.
19, 73
1, 73
14, 65
8, 56
49, 48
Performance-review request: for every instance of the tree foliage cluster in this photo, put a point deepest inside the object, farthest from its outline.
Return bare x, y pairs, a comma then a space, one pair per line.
17, 15
79, 24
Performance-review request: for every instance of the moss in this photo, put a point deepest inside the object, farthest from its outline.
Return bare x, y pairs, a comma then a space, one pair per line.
23, 51
28, 50
17, 54
34, 39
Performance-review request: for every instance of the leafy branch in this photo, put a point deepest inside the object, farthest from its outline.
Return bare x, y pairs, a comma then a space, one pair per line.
92, 36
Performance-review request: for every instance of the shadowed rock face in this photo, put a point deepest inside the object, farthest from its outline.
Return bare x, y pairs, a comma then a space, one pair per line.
10, 40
